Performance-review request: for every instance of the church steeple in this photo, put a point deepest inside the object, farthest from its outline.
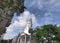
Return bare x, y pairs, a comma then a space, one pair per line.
25, 36
28, 26
29, 22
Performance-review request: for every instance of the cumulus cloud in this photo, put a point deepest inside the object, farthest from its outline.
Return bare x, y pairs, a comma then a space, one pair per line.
18, 24
48, 18
45, 8
49, 4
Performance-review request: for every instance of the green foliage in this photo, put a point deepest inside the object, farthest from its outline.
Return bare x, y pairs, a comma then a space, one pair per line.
31, 31
2, 31
7, 9
47, 31
18, 4
50, 28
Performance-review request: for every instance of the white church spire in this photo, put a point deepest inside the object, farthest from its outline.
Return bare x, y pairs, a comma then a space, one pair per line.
29, 25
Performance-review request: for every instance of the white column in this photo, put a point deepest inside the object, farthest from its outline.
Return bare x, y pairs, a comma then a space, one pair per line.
25, 38
20, 40
8, 41
30, 39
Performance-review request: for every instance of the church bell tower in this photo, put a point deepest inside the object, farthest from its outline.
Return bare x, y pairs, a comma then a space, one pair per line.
25, 36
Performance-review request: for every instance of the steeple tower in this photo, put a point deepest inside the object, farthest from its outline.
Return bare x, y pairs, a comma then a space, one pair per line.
28, 26
25, 37
30, 22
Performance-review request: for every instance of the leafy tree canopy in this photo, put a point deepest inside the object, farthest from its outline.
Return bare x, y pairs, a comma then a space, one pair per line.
47, 31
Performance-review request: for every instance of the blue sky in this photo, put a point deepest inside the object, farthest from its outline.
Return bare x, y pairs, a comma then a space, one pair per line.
46, 11
43, 12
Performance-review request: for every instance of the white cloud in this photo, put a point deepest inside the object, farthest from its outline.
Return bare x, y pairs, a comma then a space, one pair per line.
42, 4
48, 18
17, 25
52, 7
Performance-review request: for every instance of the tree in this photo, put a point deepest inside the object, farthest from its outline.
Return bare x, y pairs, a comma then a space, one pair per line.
58, 34
38, 33
50, 28
50, 32
7, 9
